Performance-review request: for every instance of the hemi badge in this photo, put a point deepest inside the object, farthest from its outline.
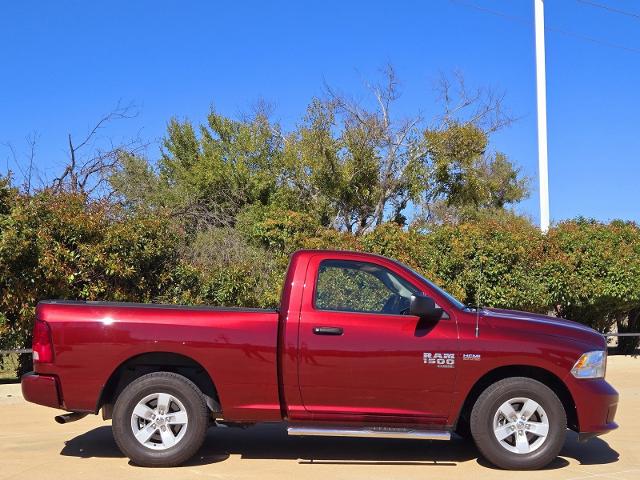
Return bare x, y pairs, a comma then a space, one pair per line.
474, 357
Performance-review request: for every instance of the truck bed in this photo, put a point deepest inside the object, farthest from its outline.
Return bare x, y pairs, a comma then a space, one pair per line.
235, 346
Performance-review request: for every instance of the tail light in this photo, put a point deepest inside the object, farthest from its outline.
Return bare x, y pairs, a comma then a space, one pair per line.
42, 345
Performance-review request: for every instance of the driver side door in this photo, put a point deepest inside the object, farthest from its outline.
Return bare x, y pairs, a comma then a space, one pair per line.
361, 356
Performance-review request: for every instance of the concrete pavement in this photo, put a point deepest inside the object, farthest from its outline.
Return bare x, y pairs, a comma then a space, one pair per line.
33, 446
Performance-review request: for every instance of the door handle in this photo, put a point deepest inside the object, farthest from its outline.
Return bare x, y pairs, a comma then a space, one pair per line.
327, 330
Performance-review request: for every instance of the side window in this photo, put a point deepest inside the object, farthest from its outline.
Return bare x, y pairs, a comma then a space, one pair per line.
350, 286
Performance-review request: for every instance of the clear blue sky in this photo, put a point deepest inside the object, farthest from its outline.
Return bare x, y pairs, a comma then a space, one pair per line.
66, 63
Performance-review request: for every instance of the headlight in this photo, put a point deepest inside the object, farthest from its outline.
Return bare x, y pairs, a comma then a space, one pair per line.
590, 365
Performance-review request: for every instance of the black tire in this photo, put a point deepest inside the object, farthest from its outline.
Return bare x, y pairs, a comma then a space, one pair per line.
482, 424
181, 389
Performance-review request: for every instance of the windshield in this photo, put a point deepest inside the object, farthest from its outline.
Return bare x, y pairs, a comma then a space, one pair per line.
457, 303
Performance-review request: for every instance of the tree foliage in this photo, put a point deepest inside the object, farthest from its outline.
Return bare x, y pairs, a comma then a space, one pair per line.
593, 271
63, 245
347, 165
465, 176
214, 219
206, 178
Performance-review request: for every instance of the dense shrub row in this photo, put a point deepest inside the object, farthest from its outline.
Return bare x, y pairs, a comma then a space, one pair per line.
68, 246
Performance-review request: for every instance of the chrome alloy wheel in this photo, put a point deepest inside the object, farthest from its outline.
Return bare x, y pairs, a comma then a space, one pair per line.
159, 421
521, 425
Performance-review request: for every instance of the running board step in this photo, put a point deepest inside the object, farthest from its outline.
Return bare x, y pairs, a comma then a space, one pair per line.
371, 432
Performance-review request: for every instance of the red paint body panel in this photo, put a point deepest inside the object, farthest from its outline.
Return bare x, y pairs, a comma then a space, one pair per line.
269, 366
596, 405
523, 339
376, 367
236, 348
41, 389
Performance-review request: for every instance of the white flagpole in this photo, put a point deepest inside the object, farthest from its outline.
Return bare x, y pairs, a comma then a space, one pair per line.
542, 116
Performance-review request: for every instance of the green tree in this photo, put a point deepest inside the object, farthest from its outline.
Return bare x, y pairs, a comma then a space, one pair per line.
206, 178
348, 165
65, 245
360, 166
464, 176
593, 273
332, 169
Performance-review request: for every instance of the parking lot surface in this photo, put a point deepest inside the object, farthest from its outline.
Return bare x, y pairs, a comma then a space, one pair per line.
33, 446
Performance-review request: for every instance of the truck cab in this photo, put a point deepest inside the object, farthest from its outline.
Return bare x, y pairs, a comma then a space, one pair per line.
356, 353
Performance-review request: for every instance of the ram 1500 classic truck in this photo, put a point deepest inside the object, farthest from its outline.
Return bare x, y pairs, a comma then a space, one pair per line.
361, 346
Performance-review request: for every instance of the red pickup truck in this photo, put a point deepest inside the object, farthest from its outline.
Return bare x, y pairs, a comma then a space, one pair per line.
361, 346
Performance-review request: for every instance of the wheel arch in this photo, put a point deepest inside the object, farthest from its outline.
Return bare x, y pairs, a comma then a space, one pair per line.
149, 362
537, 373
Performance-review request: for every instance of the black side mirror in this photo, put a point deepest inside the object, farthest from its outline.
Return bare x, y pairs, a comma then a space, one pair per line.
425, 308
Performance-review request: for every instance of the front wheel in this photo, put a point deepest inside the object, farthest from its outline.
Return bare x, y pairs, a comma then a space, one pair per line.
160, 420
519, 424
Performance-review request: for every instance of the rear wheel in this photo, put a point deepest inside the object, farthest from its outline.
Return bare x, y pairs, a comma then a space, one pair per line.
519, 423
160, 420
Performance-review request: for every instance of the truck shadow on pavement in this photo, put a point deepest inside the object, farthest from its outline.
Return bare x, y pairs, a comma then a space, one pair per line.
270, 441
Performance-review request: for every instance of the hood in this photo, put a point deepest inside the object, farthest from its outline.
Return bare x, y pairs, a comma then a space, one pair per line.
547, 325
